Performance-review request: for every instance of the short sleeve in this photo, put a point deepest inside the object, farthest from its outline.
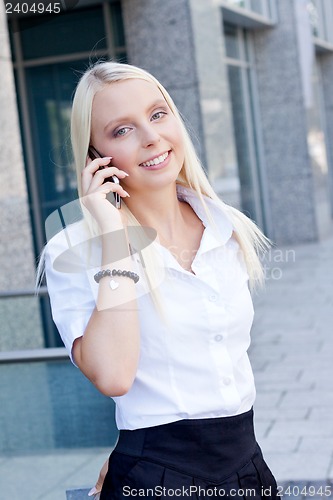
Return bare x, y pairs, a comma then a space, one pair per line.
69, 287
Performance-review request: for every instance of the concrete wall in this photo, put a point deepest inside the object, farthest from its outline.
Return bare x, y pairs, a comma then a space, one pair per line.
159, 38
184, 38
288, 168
191, 46
215, 100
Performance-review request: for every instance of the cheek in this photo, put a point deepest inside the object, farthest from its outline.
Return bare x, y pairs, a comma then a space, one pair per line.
124, 154
177, 136
122, 158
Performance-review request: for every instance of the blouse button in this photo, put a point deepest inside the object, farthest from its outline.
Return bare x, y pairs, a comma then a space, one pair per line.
218, 338
226, 380
213, 298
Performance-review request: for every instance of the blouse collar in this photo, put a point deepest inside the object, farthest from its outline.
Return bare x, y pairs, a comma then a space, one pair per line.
213, 237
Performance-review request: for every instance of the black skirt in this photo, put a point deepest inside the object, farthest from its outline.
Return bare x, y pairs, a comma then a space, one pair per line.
198, 459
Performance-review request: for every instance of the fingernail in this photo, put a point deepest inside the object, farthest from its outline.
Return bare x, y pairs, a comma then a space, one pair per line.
126, 174
92, 492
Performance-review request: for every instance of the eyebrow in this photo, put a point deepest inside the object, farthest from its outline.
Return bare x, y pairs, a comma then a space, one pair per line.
159, 102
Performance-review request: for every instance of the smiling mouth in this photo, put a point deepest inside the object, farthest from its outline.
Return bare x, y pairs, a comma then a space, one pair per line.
155, 161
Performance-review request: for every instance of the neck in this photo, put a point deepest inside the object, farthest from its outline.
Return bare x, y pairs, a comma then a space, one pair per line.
160, 210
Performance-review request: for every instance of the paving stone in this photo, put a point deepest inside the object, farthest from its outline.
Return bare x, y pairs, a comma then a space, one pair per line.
279, 386
279, 445
318, 413
300, 465
78, 494
262, 428
281, 374
310, 443
330, 472
36, 477
303, 398
262, 413
302, 428
267, 399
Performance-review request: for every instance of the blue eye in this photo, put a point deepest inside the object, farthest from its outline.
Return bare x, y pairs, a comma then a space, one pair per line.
121, 132
158, 115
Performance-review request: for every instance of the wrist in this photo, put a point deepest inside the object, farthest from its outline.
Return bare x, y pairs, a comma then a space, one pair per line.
115, 246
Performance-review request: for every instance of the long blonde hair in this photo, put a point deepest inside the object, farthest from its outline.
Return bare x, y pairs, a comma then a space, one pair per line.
251, 240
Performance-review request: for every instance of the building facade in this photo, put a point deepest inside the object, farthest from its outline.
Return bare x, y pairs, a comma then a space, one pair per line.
254, 82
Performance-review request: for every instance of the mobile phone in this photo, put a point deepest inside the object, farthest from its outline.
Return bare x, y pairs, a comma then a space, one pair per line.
93, 153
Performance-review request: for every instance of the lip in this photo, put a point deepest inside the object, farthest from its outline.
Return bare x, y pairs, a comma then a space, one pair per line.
159, 165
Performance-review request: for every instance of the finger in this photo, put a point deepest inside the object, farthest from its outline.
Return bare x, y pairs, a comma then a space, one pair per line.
109, 171
90, 170
109, 187
93, 165
100, 178
92, 181
113, 170
93, 492
103, 190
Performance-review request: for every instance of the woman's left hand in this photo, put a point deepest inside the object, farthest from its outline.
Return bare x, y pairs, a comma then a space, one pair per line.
96, 490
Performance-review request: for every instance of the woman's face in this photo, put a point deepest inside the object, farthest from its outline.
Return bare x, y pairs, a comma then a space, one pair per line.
132, 122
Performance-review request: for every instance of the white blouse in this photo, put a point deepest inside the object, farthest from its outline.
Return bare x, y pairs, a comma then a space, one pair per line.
194, 364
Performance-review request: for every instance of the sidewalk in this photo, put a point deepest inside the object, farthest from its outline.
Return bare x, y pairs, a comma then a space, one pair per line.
292, 358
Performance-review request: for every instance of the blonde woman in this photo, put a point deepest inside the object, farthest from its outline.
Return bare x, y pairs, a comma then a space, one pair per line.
165, 335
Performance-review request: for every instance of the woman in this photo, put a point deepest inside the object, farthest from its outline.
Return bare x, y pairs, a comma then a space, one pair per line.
166, 336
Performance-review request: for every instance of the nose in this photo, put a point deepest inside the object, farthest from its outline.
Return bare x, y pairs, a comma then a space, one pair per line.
149, 135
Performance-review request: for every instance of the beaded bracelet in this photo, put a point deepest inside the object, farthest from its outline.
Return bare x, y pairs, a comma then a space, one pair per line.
107, 272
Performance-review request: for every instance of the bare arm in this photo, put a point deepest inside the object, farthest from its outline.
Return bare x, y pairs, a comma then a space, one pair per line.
108, 352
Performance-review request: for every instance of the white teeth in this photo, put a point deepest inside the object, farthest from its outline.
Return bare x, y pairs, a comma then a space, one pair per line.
156, 161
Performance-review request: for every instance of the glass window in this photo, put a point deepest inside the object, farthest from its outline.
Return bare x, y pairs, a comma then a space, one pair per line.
76, 31
241, 136
50, 89
328, 19
117, 24
238, 3
318, 153
257, 6
313, 13
49, 405
321, 18
241, 92
231, 41
261, 7
45, 87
